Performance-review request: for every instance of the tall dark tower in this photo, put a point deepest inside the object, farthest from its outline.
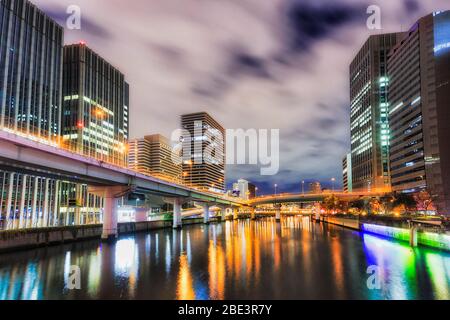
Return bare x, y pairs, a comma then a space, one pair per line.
95, 106
31, 46
369, 85
419, 97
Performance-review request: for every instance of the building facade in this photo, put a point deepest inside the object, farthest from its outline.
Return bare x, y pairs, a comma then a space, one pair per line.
347, 173
95, 106
369, 85
419, 97
315, 188
203, 154
31, 66
31, 46
154, 155
242, 189
252, 189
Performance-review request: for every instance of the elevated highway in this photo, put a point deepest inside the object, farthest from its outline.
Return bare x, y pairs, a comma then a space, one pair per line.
26, 155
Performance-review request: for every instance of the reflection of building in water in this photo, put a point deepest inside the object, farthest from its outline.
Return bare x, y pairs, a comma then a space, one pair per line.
185, 288
216, 270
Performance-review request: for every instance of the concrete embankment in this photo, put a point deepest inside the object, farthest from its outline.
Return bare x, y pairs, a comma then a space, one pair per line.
13, 240
397, 229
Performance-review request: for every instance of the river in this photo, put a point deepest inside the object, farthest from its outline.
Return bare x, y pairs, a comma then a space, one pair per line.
295, 259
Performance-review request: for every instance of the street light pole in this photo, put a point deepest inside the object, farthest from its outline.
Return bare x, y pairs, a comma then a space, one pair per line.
332, 183
303, 187
276, 186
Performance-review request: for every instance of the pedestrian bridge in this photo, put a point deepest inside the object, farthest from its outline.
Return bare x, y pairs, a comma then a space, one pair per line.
311, 197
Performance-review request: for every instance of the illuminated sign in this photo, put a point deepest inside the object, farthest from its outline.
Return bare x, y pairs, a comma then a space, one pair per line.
441, 32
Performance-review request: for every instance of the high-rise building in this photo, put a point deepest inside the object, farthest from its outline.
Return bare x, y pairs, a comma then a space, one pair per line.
31, 66
347, 173
95, 106
203, 152
419, 98
31, 46
242, 188
369, 113
154, 155
315, 188
252, 191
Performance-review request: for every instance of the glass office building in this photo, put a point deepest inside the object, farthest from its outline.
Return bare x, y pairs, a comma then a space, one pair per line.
369, 85
31, 46
419, 70
95, 106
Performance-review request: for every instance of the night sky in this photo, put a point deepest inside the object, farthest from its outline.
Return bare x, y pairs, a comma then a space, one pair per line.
279, 64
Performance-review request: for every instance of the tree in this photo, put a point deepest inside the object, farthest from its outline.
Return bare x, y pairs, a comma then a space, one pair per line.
406, 200
425, 201
331, 203
387, 203
375, 206
359, 205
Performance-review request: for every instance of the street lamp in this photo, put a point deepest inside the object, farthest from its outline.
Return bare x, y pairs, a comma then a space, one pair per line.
303, 187
276, 186
256, 191
332, 183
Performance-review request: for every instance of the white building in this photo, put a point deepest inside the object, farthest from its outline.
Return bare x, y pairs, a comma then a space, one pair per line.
242, 187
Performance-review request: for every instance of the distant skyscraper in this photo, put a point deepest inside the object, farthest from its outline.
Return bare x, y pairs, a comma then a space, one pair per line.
96, 106
347, 173
154, 155
204, 163
31, 46
242, 187
419, 98
315, 188
251, 191
369, 113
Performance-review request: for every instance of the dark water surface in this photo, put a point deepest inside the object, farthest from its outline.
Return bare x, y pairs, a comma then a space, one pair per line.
234, 260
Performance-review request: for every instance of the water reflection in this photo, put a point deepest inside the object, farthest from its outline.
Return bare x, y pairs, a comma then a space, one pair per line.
296, 259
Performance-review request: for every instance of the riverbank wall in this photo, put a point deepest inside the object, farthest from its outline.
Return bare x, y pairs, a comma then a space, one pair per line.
14, 240
393, 228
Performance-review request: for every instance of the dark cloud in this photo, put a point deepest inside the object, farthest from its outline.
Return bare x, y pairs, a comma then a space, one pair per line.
412, 6
168, 53
212, 87
239, 64
309, 23
245, 63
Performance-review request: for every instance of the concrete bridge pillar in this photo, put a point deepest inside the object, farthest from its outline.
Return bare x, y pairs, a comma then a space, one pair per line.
253, 213
110, 211
235, 213
278, 213
110, 230
413, 236
317, 209
177, 219
205, 213
141, 214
